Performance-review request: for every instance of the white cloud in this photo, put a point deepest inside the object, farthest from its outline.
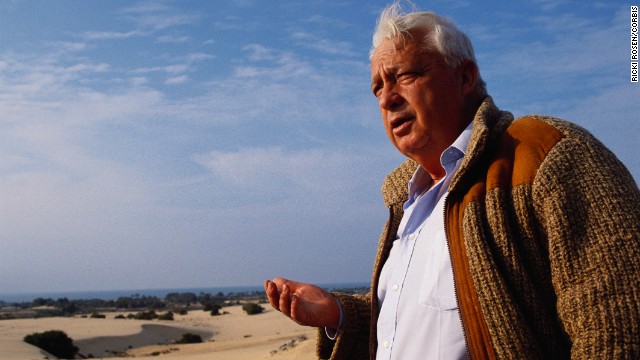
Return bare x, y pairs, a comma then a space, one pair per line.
173, 39
229, 23
177, 80
158, 16
110, 35
146, 7
259, 52
70, 46
139, 80
148, 19
327, 46
549, 5
272, 167
169, 69
328, 22
276, 65
198, 57
98, 68
247, 71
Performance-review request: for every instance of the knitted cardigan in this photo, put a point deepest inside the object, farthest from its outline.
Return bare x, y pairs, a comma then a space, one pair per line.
543, 225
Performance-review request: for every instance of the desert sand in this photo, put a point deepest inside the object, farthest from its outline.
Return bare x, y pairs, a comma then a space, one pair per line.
235, 335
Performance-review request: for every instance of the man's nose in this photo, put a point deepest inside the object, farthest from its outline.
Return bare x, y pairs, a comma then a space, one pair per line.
390, 99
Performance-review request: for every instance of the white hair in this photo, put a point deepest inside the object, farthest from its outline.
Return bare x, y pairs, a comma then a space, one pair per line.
442, 35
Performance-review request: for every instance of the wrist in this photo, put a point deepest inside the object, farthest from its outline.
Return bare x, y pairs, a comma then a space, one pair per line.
338, 314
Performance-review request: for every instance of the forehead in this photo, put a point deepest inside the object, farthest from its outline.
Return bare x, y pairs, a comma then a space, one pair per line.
393, 53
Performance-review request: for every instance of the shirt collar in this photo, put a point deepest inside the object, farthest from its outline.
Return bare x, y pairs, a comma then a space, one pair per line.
448, 160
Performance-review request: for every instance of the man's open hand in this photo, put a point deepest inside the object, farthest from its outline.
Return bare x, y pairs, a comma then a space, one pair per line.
305, 304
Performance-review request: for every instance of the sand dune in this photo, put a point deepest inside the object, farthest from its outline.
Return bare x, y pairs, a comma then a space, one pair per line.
150, 334
235, 336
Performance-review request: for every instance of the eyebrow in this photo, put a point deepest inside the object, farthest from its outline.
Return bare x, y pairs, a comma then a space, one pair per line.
389, 70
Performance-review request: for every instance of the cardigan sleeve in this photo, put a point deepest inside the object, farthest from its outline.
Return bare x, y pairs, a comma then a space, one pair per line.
352, 342
589, 206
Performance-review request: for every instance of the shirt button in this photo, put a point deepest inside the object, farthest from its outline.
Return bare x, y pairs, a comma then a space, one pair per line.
395, 287
386, 343
412, 237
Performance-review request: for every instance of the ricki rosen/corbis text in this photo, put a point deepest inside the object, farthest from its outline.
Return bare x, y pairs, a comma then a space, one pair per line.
634, 43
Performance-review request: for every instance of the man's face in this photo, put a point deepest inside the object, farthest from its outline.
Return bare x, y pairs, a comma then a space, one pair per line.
420, 97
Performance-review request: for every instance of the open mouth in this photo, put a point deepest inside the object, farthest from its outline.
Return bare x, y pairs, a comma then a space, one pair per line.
401, 124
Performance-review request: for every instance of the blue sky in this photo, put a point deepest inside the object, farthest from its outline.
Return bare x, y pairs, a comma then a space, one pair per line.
169, 144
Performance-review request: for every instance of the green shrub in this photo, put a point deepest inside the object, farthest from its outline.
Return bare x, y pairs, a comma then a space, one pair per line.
214, 309
252, 308
189, 338
55, 342
96, 315
146, 315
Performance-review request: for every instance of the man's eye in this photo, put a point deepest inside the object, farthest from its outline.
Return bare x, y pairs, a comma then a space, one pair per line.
406, 76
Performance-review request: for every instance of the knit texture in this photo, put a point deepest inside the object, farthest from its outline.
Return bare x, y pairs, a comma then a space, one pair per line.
543, 225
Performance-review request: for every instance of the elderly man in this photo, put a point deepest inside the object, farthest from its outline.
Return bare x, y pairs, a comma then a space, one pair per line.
506, 238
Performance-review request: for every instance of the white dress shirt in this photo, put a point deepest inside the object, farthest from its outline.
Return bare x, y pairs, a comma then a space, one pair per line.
419, 316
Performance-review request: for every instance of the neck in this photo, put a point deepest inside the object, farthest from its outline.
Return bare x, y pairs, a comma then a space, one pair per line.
432, 167
430, 161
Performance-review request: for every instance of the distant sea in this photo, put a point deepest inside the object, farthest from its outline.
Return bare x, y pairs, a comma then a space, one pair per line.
160, 293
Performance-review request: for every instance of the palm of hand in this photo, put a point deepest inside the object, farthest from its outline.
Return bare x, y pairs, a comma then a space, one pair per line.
312, 305
305, 304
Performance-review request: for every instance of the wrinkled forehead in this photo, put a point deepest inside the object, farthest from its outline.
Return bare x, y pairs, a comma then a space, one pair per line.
392, 53
412, 43
391, 50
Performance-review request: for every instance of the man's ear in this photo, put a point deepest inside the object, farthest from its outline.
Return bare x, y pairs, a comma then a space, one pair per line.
470, 76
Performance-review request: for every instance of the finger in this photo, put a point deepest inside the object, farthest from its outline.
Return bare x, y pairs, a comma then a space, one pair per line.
297, 315
265, 284
272, 294
285, 300
279, 282
293, 285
